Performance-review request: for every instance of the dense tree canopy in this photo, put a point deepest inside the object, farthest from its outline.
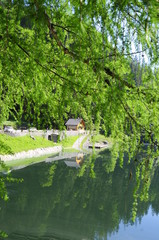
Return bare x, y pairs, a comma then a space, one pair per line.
63, 59
75, 58
95, 59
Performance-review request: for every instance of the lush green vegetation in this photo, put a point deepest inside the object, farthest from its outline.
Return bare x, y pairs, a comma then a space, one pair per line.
83, 141
8, 123
11, 145
69, 141
100, 138
62, 59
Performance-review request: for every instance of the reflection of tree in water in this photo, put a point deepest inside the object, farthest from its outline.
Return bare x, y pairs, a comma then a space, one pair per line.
48, 175
82, 203
154, 192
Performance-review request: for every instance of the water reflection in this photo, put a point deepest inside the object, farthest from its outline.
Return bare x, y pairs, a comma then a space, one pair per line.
145, 229
92, 201
61, 156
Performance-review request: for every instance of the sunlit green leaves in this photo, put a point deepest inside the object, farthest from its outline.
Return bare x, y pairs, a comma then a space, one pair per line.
62, 59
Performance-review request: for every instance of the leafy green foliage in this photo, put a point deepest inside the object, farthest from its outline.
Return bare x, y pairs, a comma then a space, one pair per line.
99, 138
3, 234
69, 141
11, 145
70, 60
63, 59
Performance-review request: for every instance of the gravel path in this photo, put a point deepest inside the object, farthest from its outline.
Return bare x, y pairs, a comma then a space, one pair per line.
77, 144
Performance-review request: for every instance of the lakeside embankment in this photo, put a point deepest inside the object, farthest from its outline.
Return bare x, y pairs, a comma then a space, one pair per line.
13, 148
31, 153
30, 148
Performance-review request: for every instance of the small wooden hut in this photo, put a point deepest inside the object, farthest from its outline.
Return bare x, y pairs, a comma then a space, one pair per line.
75, 124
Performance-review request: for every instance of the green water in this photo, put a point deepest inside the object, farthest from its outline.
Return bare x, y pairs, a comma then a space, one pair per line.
63, 200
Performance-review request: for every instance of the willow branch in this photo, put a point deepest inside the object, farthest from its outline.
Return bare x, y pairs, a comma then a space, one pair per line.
64, 28
56, 74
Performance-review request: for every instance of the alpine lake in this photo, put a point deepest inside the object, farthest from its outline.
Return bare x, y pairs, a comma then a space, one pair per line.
83, 197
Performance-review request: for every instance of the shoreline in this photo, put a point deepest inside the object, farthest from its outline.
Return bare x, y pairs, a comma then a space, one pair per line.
39, 152
31, 153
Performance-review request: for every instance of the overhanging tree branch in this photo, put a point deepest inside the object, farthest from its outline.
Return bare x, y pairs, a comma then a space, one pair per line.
56, 74
67, 51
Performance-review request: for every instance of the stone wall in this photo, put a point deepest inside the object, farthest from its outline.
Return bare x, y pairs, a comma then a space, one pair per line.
31, 153
48, 134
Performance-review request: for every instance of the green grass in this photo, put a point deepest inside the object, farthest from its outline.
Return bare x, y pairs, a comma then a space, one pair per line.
83, 141
69, 141
97, 138
100, 138
8, 123
11, 145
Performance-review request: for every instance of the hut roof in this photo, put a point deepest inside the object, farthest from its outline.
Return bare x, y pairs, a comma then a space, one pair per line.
73, 122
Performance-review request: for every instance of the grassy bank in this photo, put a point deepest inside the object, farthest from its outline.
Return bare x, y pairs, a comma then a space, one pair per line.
11, 145
100, 138
69, 141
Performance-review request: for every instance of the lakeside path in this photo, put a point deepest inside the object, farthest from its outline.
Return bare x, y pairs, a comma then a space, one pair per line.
78, 142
